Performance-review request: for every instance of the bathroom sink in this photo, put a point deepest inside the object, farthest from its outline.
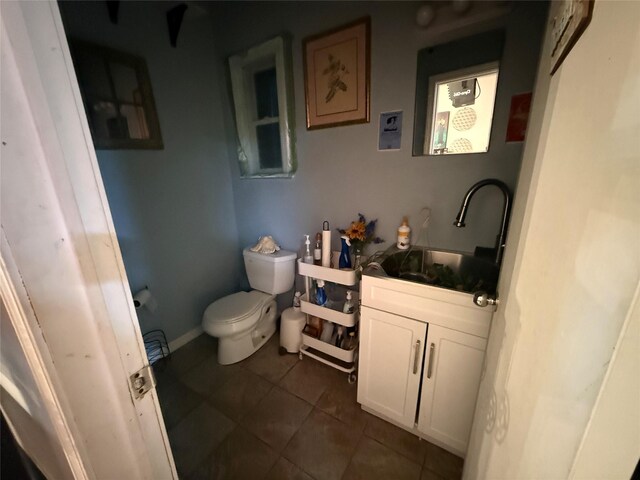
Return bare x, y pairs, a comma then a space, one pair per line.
439, 268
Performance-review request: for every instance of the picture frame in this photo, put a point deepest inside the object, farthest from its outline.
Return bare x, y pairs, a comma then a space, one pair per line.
337, 75
117, 96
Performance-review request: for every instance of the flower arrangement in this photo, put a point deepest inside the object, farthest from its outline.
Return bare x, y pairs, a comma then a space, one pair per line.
361, 233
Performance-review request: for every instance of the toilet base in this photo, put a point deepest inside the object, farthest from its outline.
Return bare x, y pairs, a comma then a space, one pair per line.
236, 348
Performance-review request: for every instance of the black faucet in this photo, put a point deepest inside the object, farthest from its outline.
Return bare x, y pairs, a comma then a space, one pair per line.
500, 241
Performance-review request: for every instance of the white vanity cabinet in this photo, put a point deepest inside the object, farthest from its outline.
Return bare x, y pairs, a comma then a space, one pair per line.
421, 355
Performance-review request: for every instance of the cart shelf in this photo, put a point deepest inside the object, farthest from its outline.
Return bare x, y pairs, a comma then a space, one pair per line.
336, 357
346, 356
335, 275
335, 316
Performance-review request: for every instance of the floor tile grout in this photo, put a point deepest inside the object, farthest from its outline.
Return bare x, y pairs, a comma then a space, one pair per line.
331, 392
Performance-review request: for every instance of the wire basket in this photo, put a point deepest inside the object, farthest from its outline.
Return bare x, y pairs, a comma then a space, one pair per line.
156, 346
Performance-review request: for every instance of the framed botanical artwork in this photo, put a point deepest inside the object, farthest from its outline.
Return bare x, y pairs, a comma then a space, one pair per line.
337, 75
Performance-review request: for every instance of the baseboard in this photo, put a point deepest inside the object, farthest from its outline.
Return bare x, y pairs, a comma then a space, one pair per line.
186, 338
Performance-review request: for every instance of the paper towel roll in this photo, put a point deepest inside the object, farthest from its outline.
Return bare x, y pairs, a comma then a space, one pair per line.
144, 299
326, 245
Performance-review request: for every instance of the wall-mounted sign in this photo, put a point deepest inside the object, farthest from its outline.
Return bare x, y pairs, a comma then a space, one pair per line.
518, 117
390, 130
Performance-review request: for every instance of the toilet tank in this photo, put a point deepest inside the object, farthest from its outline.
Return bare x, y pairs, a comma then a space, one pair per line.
270, 273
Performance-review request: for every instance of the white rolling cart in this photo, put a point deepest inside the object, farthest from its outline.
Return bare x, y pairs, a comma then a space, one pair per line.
336, 357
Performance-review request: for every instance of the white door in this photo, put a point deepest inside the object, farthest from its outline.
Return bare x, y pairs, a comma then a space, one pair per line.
390, 364
571, 268
66, 290
450, 385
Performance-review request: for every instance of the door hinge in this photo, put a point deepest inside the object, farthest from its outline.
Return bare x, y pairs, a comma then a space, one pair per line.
142, 381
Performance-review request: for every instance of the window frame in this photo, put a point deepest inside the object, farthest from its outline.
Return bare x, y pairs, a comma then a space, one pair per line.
243, 94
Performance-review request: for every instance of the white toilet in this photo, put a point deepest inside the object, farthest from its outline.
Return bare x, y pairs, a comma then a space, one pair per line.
244, 321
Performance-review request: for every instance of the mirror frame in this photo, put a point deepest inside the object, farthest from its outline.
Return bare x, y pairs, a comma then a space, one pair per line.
248, 155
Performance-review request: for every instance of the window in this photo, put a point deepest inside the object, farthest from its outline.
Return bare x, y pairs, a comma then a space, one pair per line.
461, 110
263, 102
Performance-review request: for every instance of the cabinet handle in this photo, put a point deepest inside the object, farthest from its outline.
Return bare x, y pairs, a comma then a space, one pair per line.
415, 357
431, 350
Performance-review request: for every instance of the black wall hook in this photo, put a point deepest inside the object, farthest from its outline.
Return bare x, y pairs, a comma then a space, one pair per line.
174, 21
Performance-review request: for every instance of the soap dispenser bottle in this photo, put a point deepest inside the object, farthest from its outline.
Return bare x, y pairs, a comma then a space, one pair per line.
348, 304
308, 258
404, 235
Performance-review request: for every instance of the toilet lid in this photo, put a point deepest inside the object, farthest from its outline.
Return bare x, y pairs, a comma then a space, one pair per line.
235, 307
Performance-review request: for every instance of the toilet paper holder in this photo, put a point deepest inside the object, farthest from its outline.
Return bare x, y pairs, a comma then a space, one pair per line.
143, 298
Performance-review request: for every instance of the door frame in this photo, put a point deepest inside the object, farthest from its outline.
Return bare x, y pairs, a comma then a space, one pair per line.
53, 195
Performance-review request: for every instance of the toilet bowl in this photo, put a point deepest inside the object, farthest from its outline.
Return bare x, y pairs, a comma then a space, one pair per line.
244, 321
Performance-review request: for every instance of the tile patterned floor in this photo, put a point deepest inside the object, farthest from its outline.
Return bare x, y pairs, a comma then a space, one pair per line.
278, 418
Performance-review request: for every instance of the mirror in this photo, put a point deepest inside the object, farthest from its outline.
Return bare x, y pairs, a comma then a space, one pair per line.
263, 103
455, 95
117, 97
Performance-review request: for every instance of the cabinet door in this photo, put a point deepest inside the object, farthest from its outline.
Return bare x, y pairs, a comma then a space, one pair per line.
391, 350
450, 384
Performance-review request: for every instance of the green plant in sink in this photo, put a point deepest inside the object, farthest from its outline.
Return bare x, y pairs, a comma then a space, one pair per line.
445, 277
461, 272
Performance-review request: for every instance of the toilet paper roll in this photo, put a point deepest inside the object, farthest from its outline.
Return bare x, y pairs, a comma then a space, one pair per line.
144, 299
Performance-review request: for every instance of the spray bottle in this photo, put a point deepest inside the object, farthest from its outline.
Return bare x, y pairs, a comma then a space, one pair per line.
321, 295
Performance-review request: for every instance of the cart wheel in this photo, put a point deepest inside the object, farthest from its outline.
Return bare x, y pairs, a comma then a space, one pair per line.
300, 356
282, 351
352, 378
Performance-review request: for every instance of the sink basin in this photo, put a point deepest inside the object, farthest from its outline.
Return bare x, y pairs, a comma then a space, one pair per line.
439, 268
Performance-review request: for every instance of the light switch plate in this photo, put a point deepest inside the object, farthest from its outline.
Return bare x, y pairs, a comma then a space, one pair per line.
568, 20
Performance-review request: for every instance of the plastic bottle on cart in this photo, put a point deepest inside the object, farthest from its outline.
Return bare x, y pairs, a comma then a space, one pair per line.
345, 257
317, 251
327, 331
349, 307
321, 295
308, 258
340, 337
296, 300
351, 342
